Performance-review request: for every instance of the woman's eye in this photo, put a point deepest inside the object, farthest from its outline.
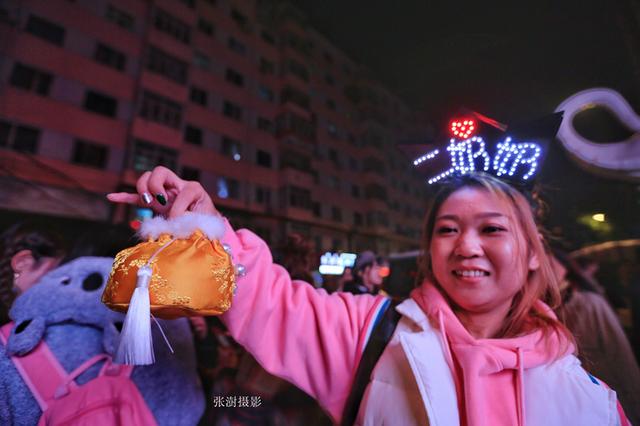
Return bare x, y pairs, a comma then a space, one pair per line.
492, 229
446, 230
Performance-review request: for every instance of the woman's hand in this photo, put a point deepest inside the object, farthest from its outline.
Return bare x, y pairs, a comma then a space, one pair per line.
162, 184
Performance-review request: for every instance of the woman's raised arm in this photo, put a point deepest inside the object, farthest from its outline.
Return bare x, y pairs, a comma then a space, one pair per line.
296, 332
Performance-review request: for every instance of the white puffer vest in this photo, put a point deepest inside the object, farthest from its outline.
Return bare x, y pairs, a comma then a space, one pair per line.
413, 385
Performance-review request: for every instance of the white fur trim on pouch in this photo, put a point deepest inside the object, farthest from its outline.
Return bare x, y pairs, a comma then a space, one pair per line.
183, 226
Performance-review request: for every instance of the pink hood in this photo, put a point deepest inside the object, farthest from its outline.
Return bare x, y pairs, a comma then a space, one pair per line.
489, 372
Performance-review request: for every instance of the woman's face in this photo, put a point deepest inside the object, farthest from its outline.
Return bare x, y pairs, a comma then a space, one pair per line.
478, 252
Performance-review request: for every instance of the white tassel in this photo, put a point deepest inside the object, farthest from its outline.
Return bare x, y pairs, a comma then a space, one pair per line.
136, 343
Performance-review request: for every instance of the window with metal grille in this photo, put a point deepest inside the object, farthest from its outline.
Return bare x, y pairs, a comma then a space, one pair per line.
100, 104
147, 155
110, 57
234, 77
166, 65
19, 138
193, 135
90, 154
198, 96
169, 24
160, 109
232, 110
31, 79
120, 17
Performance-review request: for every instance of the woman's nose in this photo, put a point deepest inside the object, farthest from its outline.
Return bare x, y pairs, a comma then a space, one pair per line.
468, 245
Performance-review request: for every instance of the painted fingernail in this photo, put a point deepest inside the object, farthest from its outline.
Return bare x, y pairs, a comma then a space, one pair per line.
146, 197
161, 199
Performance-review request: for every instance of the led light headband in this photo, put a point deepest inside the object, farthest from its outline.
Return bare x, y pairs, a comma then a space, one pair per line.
513, 155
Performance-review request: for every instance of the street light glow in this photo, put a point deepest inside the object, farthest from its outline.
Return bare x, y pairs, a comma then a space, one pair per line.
598, 217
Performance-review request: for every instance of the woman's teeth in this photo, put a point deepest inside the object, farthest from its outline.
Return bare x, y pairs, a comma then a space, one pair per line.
471, 273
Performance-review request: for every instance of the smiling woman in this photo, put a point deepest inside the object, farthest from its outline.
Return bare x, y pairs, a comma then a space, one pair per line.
475, 343
484, 250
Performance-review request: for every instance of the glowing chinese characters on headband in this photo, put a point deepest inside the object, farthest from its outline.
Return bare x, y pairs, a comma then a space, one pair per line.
507, 160
525, 154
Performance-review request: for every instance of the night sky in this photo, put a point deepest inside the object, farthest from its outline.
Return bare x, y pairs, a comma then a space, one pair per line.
511, 60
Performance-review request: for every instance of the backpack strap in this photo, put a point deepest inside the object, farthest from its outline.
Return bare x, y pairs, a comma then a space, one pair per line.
39, 369
380, 336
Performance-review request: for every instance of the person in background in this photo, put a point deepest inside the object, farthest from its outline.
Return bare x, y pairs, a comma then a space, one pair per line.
345, 278
27, 252
366, 275
603, 346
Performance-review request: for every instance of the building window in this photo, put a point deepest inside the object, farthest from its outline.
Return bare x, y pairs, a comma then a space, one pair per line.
268, 37
161, 110
241, 20
265, 125
298, 70
263, 195
234, 77
331, 104
211, 2
147, 155
228, 188
266, 94
355, 191
201, 60
177, 29
232, 111
120, 17
100, 104
299, 197
193, 135
166, 65
110, 57
231, 148
263, 158
289, 94
206, 27
30, 79
90, 154
336, 214
190, 173
19, 138
236, 46
267, 67
46, 30
198, 96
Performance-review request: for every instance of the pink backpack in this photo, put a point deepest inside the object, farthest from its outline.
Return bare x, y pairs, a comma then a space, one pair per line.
109, 399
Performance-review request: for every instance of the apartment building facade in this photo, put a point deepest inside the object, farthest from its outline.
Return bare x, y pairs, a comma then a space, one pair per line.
284, 131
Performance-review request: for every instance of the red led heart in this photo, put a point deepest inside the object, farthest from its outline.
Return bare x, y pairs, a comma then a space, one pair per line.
463, 128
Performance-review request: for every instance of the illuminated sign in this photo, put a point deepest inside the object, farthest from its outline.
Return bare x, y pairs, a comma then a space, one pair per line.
334, 263
512, 159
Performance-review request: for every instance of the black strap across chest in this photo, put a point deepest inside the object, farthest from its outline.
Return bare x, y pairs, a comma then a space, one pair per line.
380, 337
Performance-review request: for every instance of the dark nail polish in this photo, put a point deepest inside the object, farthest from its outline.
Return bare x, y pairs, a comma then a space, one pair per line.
161, 199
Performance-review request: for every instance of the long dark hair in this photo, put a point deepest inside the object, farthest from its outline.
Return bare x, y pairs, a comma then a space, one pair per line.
40, 242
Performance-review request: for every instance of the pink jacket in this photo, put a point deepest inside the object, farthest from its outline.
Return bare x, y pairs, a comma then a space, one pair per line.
315, 341
296, 332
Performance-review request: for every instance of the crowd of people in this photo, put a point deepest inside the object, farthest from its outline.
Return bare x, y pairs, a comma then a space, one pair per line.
500, 329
